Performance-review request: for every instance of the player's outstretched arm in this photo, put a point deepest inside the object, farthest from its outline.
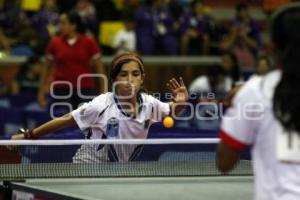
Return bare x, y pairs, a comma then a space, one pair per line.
180, 94
227, 157
49, 127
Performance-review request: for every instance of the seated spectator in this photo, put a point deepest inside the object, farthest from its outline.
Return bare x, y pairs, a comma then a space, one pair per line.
12, 20
17, 38
46, 21
155, 28
194, 29
244, 38
125, 39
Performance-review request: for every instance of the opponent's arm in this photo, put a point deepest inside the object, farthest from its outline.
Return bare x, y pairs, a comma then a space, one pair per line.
227, 157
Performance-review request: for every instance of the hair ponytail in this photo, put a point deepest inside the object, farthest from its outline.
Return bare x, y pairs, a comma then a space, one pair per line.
285, 35
287, 93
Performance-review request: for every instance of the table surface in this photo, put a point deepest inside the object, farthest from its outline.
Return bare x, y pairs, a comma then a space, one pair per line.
133, 188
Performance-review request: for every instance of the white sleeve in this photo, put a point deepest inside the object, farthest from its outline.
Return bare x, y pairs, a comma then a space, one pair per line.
87, 114
239, 125
159, 109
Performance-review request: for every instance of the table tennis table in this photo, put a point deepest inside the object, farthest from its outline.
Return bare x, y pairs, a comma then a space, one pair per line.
180, 172
137, 188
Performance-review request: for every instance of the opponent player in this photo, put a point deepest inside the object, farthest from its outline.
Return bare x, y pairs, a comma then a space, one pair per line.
125, 113
265, 117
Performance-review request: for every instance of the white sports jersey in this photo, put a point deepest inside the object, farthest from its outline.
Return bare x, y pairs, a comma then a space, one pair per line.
93, 117
251, 122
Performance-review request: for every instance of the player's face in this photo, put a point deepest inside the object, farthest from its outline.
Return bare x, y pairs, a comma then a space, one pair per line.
65, 26
129, 80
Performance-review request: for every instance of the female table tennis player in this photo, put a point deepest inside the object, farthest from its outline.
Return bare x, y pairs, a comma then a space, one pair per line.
265, 117
125, 113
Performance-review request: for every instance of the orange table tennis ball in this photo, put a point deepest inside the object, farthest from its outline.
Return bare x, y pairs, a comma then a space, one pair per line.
168, 122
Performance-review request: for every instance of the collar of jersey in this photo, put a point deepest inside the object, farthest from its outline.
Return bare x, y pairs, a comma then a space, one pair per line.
75, 40
140, 101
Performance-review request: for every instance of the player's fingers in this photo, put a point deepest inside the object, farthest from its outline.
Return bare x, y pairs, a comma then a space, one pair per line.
181, 81
171, 85
175, 82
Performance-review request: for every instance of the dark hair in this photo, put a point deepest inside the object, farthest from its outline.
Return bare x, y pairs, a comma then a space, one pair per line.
235, 72
241, 6
195, 2
128, 15
266, 58
285, 29
74, 18
214, 74
116, 67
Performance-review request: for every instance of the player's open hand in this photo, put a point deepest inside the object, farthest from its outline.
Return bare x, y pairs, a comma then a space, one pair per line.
178, 89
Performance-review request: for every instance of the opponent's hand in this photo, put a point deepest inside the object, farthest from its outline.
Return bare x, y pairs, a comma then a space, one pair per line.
178, 89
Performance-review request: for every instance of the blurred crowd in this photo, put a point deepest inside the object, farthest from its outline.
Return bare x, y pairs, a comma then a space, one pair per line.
150, 27
163, 27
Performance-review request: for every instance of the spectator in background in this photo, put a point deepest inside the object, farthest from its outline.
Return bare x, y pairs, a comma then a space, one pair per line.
194, 29
219, 79
69, 56
20, 37
264, 65
178, 7
88, 13
46, 20
125, 39
211, 89
12, 17
65, 6
4, 42
244, 38
155, 28
17, 37
106, 10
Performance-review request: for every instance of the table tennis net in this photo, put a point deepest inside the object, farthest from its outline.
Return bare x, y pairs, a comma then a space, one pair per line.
112, 158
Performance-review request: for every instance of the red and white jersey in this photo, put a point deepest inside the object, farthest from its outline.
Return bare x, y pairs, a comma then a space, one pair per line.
93, 119
250, 122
